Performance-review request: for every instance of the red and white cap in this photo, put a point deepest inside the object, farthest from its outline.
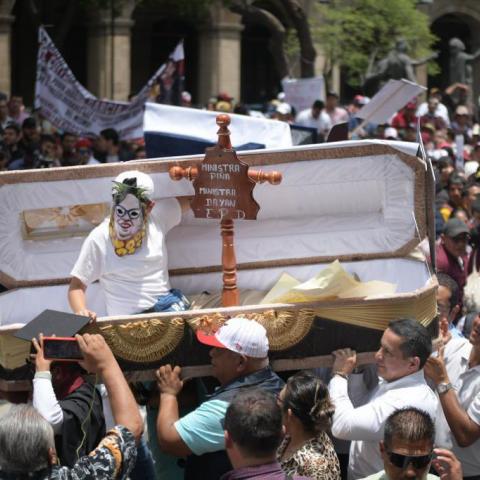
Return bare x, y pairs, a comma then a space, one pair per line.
240, 335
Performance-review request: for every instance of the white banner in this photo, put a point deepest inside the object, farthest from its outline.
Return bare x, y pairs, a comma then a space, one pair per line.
302, 92
186, 124
70, 107
394, 95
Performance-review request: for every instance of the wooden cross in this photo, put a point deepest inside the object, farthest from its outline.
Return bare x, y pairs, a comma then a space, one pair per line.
224, 190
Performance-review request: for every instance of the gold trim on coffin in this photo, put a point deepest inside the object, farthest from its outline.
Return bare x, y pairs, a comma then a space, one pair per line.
285, 328
151, 340
143, 341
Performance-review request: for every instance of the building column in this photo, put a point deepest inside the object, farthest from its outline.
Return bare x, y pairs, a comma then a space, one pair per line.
109, 52
6, 21
220, 55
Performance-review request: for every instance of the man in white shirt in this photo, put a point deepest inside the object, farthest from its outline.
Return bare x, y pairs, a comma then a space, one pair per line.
315, 117
404, 348
441, 110
127, 252
456, 374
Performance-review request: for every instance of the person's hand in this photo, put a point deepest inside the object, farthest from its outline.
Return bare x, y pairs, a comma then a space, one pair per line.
445, 333
435, 368
41, 363
345, 361
97, 355
87, 313
168, 380
447, 465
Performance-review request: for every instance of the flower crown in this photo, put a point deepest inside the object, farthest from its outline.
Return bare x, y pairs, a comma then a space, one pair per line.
129, 185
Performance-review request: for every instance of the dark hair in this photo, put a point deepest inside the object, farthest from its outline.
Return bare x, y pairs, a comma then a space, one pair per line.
67, 134
307, 396
13, 126
416, 339
110, 134
254, 422
447, 281
3, 97
455, 179
318, 104
29, 122
410, 425
47, 138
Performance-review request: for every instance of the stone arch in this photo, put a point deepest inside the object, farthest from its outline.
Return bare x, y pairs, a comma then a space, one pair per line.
455, 18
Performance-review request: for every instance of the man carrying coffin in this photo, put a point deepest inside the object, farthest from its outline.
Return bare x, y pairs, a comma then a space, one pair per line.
127, 252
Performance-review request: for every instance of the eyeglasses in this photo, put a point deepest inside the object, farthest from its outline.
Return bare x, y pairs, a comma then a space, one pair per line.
133, 213
402, 461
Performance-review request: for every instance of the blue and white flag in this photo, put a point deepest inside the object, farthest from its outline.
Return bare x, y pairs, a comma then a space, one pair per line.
171, 131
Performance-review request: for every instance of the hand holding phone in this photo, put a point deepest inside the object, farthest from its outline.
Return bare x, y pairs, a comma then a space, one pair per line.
61, 349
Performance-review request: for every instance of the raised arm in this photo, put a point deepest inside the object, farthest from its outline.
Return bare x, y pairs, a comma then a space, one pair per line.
77, 299
465, 430
421, 61
98, 358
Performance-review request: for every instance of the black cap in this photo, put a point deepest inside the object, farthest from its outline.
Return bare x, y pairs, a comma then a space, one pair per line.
455, 227
53, 322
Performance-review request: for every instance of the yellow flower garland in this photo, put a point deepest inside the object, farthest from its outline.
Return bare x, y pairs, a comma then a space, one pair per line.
126, 247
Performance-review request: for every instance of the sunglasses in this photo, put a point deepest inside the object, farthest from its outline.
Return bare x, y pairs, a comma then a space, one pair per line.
402, 461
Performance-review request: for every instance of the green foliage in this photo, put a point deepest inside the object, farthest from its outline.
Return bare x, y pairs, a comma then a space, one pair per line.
355, 31
292, 48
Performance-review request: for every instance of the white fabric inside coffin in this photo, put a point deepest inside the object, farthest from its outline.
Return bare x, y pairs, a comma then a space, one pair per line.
361, 205
22, 305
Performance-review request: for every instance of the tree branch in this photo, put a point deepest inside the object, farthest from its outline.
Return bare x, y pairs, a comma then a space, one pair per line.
308, 53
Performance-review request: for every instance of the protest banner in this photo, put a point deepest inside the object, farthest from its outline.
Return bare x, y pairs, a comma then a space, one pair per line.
302, 92
70, 107
171, 131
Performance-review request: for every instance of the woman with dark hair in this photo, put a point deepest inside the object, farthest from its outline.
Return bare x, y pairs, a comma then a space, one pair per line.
307, 414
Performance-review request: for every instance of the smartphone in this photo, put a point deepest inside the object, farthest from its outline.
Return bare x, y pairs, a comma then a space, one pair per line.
61, 349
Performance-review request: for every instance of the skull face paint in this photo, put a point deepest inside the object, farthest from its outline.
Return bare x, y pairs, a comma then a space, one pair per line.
128, 217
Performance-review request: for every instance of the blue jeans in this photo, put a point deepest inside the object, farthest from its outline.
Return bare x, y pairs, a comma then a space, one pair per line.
173, 301
144, 468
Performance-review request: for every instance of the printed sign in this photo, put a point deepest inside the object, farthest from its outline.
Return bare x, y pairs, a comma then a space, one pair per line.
223, 189
302, 92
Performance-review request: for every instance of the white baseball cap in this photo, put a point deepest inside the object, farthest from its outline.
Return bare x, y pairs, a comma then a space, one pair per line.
240, 335
143, 180
391, 132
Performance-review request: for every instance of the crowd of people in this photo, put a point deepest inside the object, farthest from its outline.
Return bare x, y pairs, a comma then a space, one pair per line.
255, 425
410, 412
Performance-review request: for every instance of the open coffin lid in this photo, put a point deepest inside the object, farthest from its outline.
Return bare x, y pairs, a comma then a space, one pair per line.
363, 203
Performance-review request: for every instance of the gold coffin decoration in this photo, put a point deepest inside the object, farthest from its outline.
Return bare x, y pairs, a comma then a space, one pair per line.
144, 341
151, 339
285, 328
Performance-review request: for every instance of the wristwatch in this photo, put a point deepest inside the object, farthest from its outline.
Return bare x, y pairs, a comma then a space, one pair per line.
444, 387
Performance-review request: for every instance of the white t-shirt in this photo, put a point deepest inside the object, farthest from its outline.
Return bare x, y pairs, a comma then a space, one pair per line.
323, 123
131, 283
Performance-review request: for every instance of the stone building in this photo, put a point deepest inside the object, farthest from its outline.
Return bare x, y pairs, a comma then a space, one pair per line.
114, 53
